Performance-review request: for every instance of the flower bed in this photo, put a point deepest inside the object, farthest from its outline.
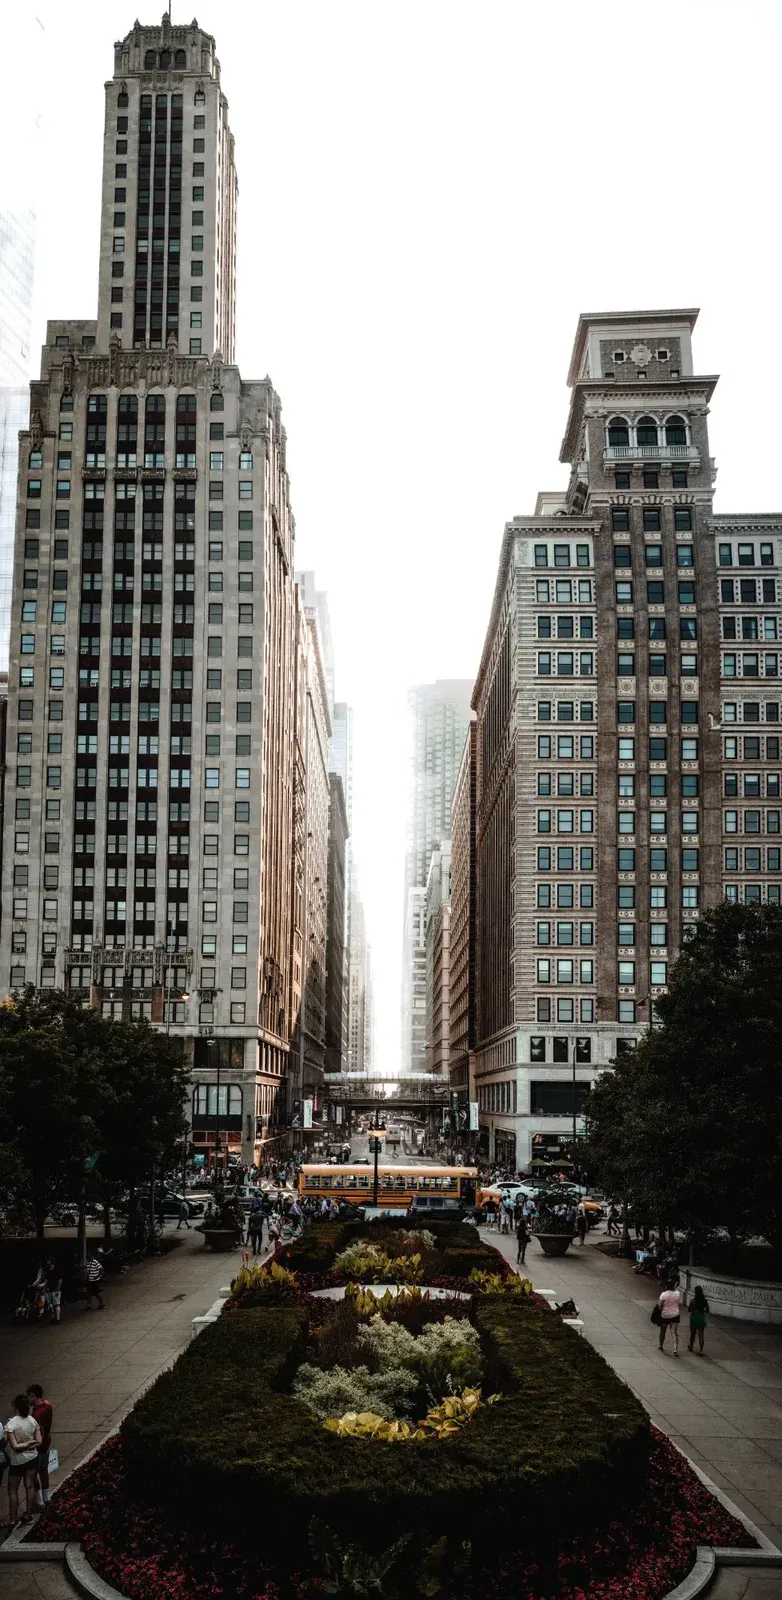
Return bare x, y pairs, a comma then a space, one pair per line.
234, 1437
133, 1546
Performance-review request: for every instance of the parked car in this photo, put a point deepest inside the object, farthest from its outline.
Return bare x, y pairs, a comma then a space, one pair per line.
171, 1202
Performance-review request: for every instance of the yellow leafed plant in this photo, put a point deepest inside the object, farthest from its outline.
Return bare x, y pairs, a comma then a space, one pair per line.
494, 1283
259, 1277
439, 1422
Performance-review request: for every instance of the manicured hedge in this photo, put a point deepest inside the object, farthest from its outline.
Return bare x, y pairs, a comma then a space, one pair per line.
461, 1262
322, 1242
218, 1442
318, 1245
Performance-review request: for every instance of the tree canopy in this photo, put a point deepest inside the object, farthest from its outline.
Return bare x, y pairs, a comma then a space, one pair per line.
688, 1126
75, 1085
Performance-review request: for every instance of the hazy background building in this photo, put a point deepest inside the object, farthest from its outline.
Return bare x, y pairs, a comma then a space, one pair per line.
462, 926
336, 985
440, 715
438, 961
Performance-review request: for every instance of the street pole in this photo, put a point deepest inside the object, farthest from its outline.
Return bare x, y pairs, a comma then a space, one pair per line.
575, 1048
214, 1045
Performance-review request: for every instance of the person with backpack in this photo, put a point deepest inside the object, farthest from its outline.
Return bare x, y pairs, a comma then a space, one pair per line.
699, 1316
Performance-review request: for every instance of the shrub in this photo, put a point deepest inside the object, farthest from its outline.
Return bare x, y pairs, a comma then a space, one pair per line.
461, 1262
317, 1247
494, 1283
216, 1437
449, 1356
327, 1394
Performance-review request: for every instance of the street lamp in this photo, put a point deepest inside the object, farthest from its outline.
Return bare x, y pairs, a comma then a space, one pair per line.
213, 1046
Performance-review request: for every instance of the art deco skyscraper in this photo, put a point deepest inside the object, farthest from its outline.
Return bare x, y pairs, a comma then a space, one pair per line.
148, 843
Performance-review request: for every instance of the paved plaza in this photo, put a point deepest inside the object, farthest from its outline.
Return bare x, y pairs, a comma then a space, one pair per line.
725, 1411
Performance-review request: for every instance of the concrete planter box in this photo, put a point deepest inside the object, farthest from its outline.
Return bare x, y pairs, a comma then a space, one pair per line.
554, 1244
221, 1239
748, 1299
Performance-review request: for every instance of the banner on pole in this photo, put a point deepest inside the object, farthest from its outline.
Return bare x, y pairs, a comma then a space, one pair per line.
307, 1123
473, 1116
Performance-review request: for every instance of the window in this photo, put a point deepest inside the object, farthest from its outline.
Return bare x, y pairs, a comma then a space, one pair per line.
652, 522
623, 555
618, 433
655, 593
620, 520
624, 593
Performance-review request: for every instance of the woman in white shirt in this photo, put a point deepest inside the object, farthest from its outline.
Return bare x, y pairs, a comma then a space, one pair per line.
670, 1303
22, 1441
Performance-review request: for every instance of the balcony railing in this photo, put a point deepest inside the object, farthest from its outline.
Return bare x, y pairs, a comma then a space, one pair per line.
650, 452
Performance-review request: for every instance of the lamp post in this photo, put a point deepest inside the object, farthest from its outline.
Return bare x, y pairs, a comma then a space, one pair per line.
213, 1046
377, 1134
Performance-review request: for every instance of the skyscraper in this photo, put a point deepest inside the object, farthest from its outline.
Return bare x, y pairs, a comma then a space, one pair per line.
627, 731
440, 717
19, 127
148, 842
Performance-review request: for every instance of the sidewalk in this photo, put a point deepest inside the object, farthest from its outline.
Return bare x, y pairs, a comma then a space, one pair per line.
96, 1363
724, 1411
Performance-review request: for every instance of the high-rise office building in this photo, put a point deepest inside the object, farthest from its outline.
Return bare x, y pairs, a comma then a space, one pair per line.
462, 927
341, 763
24, 37
151, 730
628, 738
337, 985
438, 962
440, 718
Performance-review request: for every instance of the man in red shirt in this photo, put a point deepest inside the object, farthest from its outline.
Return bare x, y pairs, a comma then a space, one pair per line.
43, 1412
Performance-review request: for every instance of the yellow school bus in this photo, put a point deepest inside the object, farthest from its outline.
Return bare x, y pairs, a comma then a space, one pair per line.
397, 1186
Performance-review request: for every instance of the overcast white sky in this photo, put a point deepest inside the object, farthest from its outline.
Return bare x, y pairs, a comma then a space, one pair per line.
430, 192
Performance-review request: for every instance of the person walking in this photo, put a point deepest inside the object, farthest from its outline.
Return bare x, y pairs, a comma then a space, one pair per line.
184, 1215
612, 1220
255, 1231
699, 1316
94, 1279
581, 1222
522, 1239
53, 1280
43, 1412
23, 1441
669, 1303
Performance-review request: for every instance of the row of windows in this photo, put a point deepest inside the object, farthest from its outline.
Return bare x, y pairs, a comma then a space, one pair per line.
562, 555
750, 711
750, 664
627, 822
626, 934
748, 628
560, 1050
622, 432
148, 677
565, 591
564, 626
566, 711
498, 1097
119, 777
750, 821
565, 1008
655, 592
658, 785
753, 784
745, 555
566, 664
748, 591
565, 970
753, 859
565, 933
626, 974
658, 859
566, 783
565, 896
651, 522
753, 894
566, 821
565, 746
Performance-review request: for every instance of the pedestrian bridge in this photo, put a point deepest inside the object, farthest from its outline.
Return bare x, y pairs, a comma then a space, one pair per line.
405, 1092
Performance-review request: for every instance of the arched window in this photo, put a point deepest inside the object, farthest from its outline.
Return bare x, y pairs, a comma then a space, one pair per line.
199, 98
217, 402
149, 60
66, 402
646, 431
122, 98
155, 431
180, 59
675, 431
165, 59
618, 432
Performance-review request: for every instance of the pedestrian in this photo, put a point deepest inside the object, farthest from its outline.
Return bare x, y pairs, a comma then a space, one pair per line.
43, 1411
53, 1289
670, 1315
612, 1221
699, 1316
581, 1223
491, 1213
23, 1441
94, 1278
255, 1231
522, 1239
184, 1215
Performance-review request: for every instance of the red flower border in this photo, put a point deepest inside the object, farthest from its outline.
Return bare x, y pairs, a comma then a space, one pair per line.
130, 1544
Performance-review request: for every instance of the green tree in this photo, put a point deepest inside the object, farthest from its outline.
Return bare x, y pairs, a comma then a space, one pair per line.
689, 1124
75, 1085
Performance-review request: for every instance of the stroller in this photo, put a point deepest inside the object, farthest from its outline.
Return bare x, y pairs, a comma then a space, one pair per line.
32, 1305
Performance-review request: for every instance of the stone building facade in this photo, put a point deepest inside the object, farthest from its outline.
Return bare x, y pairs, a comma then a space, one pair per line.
438, 961
612, 707
151, 717
336, 986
